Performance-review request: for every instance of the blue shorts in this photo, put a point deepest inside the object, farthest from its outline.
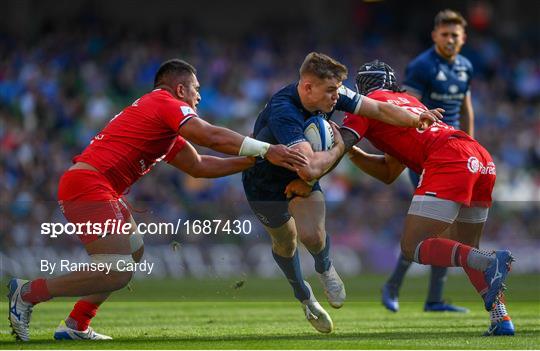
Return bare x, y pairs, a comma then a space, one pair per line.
271, 207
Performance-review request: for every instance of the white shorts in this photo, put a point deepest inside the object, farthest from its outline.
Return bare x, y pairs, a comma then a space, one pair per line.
446, 210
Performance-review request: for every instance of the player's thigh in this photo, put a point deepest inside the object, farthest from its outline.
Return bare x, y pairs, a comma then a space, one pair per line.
309, 214
470, 225
427, 217
116, 241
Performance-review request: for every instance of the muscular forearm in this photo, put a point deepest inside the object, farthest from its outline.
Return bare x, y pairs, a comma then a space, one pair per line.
204, 166
320, 163
397, 116
221, 139
214, 167
374, 165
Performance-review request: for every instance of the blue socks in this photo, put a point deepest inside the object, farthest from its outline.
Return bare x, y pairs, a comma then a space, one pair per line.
436, 284
322, 259
291, 268
399, 272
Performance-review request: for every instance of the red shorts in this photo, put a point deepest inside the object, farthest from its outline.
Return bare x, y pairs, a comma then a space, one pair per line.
461, 171
87, 196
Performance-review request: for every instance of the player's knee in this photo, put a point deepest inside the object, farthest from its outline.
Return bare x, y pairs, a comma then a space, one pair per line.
284, 248
408, 247
313, 242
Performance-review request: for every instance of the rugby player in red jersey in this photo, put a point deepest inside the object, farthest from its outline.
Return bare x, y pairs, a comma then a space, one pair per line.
457, 179
154, 128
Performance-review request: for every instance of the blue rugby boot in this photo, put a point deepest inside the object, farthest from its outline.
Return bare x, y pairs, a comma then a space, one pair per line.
389, 298
495, 275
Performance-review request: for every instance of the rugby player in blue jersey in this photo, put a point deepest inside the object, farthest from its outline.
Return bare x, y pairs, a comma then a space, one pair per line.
319, 91
438, 77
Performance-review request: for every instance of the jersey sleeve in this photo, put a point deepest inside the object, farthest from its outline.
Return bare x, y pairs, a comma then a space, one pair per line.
416, 78
348, 101
178, 145
356, 124
175, 113
287, 124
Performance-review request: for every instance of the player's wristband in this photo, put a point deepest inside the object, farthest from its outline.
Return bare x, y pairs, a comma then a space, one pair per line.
253, 147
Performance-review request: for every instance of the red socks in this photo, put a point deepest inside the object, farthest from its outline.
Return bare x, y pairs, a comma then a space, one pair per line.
82, 314
35, 291
442, 252
449, 253
477, 279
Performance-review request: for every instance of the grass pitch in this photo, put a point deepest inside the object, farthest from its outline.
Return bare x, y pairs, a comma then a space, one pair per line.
260, 314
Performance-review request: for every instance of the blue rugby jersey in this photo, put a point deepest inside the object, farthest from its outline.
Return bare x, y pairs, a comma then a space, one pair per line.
282, 122
440, 83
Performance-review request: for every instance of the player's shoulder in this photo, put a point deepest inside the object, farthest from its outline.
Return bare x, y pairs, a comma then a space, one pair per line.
464, 61
400, 98
286, 102
425, 58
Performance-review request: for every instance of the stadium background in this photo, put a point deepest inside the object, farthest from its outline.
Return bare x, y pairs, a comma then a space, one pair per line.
67, 68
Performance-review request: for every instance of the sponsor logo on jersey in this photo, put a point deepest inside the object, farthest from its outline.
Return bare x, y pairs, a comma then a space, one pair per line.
446, 97
475, 166
453, 88
462, 76
187, 111
441, 76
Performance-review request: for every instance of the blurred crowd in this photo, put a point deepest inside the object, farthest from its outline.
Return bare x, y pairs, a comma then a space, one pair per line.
57, 92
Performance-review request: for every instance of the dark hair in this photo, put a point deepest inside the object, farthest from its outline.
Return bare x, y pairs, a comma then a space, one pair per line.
376, 75
323, 67
449, 17
173, 68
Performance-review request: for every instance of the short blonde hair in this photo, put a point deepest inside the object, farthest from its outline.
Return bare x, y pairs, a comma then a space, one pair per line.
449, 17
323, 67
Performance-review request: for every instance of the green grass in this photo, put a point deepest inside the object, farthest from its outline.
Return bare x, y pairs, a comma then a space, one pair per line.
212, 314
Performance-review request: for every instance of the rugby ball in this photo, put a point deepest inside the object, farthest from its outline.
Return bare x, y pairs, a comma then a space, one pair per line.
319, 133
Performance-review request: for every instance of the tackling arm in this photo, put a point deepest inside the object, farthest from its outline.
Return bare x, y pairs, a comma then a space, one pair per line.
204, 166
397, 116
383, 167
229, 142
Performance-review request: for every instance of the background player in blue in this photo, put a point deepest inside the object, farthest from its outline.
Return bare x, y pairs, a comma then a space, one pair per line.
318, 92
438, 77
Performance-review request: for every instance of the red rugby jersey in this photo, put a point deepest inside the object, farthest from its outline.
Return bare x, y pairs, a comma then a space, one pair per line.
409, 145
135, 139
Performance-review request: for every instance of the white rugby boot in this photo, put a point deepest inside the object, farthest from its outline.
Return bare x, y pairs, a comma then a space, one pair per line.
63, 332
19, 311
334, 289
315, 314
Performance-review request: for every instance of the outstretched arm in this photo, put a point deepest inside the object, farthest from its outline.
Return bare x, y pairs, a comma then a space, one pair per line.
398, 116
383, 167
205, 166
229, 142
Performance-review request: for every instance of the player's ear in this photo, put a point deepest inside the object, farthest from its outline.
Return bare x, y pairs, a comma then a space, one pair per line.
434, 34
180, 90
